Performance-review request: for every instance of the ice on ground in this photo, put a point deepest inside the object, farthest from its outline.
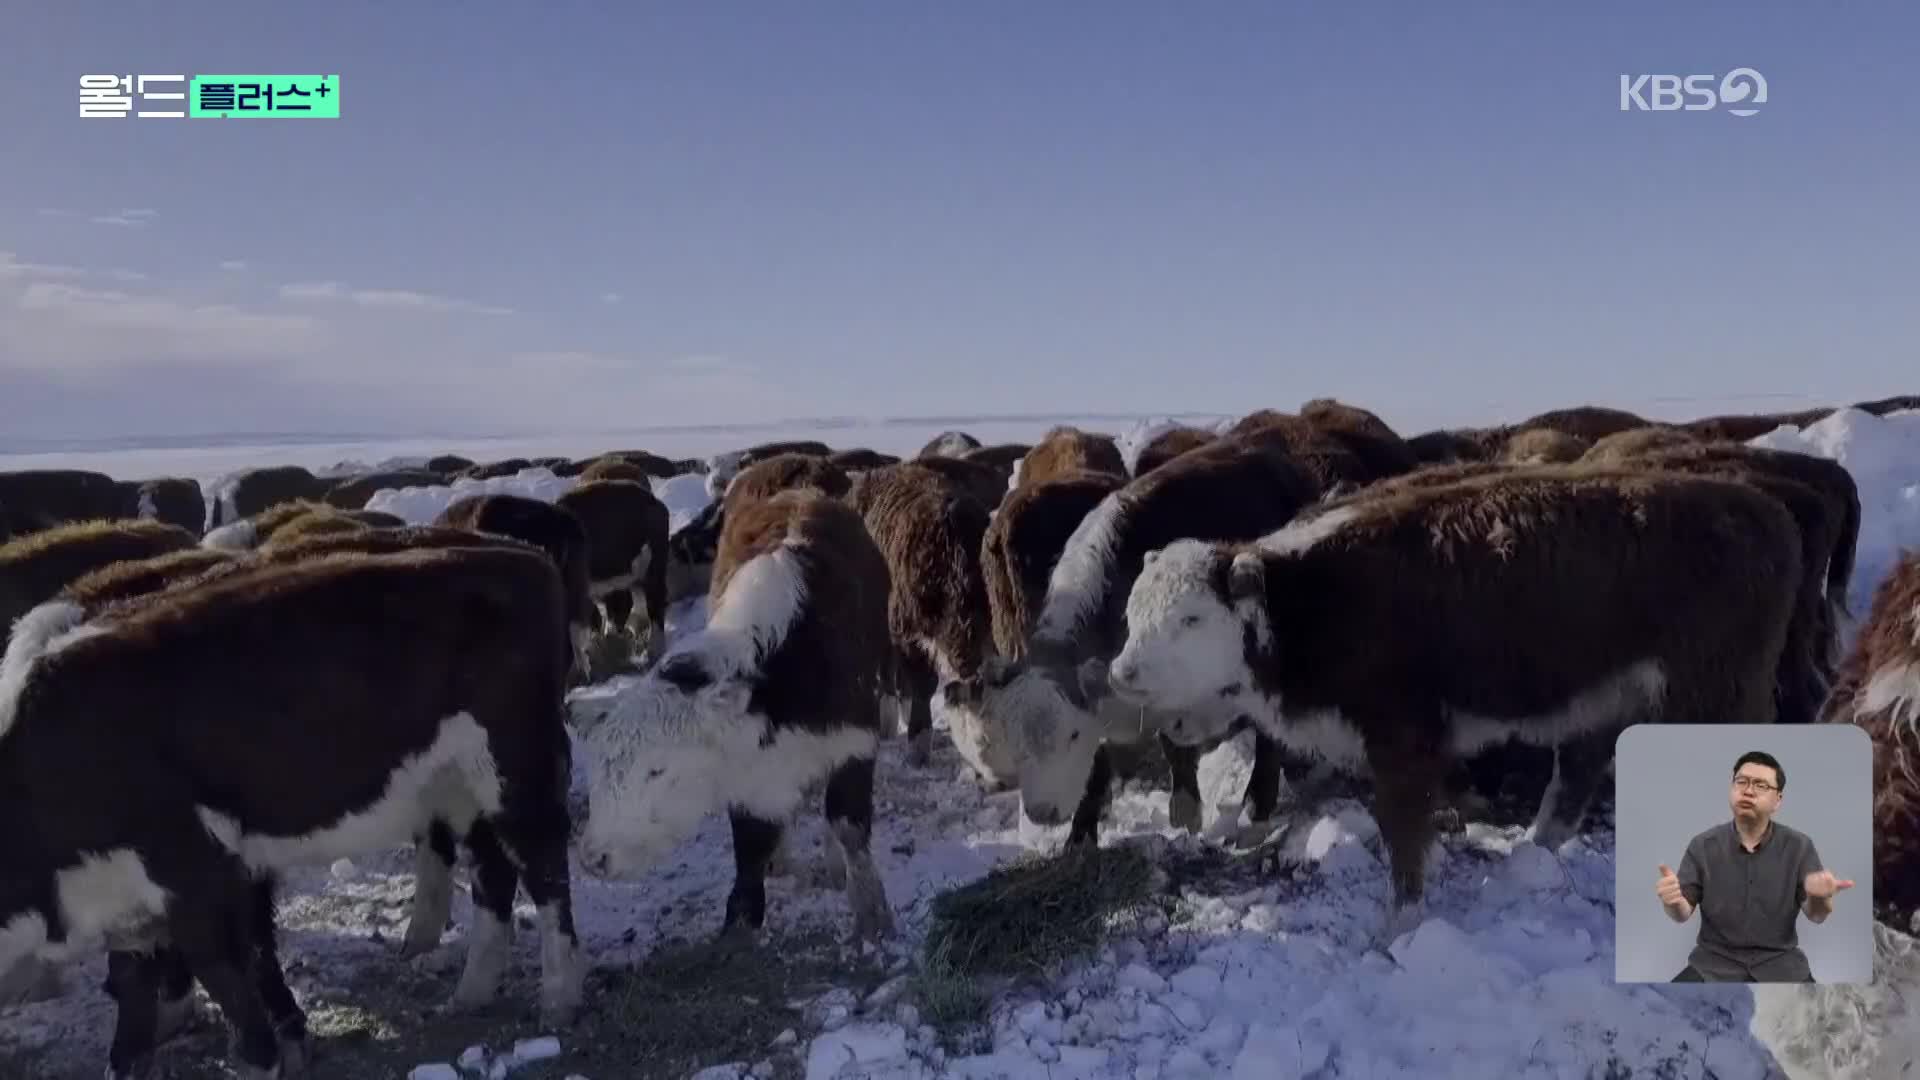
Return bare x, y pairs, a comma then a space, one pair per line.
422, 505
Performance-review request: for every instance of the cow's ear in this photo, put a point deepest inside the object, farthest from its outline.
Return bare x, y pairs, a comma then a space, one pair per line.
1246, 578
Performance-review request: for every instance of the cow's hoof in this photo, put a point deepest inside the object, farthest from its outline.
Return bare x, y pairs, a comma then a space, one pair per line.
1183, 811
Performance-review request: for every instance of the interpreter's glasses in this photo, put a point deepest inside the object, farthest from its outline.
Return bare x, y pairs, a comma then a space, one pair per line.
1748, 783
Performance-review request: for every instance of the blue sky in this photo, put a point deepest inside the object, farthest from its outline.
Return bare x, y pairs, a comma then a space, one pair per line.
548, 216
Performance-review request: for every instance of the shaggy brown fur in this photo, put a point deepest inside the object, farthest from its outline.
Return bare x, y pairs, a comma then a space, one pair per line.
492, 469
1624, 446
1587, 422
1325, 456
138, 577
1433, 476
449, 465
648, 462
318, 523
949, 444
763, 451
353, 492
985, 483
1740, 428
270, 521
1691, 573
545, 526
377, 519
1447, 448
43, 498
258, 490
861, 459
938, 618
1543, 446
1168, 445
782, 472
35, 567
1023, 543
1002, 456
1879, 690
174, 500
626, 526
1377, 444
613, 468
1066, 450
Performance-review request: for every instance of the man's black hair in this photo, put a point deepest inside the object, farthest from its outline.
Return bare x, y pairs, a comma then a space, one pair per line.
1761, 757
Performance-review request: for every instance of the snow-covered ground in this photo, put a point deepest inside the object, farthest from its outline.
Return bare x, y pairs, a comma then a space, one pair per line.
1271, 977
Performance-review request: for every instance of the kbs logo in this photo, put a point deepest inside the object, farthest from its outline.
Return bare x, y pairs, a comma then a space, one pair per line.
1738, 90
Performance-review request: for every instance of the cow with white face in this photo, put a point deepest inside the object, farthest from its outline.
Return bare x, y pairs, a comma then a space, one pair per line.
1392, 634
779, 690
1055, 700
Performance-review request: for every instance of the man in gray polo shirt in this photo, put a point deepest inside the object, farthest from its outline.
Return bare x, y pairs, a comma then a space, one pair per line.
1750, 878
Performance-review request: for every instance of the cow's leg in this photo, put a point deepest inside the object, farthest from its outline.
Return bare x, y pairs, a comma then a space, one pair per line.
212, 926
490, 939
433, 857
175, 982
289, 1021
1408, 760
536, 831
1093, 802
850, 829
1183, 764
1262, 797
754, 839
654, 590
133, 984
920, 681
1579, 768
619, 603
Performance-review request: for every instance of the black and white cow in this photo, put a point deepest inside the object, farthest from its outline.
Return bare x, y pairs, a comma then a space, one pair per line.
386, 693
1393, 634
778, 691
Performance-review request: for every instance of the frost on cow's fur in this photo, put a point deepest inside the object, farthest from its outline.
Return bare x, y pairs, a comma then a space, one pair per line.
1079, 581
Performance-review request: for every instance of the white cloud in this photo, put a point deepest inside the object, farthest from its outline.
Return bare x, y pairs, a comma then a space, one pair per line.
67, 327
133, 219
234, 265
388, 299
12, 267
610, 298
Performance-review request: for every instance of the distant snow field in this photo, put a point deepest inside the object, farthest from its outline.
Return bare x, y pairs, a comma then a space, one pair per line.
1511, 975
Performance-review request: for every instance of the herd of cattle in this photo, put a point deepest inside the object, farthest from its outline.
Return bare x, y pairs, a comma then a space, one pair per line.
199, 694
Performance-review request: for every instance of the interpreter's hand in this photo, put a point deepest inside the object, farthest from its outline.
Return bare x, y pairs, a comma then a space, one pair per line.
1668, 887
1822, 885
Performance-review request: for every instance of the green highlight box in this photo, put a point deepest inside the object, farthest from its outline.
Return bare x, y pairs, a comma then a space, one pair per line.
309, 97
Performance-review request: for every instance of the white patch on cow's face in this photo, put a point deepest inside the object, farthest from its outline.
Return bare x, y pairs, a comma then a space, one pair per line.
982, 739
1051, 740
1082, 576
659, 762
1303, 534
42, 631
453, 780
147, 508
241, 535
1185, 646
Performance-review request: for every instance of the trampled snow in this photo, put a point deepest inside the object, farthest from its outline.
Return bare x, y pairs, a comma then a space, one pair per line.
421, 505
1273, 977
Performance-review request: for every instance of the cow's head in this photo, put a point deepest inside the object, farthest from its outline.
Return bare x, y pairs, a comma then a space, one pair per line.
661, 758
1048, 708
1189, 615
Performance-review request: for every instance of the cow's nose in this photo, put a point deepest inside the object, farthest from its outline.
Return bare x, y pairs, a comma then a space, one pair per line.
1123, 672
